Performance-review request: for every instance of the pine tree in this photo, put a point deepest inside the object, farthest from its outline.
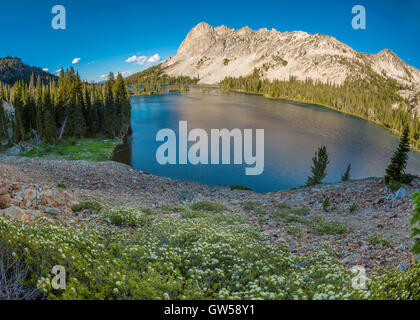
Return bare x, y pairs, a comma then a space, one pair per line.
49, 126
346, 175
320, 162
18, 103
109, 106
3, 121
395, 170
39, 107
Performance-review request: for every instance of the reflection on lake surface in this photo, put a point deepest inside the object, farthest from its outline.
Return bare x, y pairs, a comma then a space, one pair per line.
293, 132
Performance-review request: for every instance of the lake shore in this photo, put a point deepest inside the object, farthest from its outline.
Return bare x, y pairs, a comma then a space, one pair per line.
394, 132
378, 211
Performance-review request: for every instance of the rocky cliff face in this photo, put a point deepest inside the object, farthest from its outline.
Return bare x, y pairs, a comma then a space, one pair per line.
215, 53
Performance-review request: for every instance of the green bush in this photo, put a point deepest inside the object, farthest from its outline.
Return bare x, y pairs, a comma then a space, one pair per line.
286, 213
294, 230
321, 226
208, 206
239, 187
91, 205
123, 217
255, 207
379, 239
61, 186
353, 207
326, 204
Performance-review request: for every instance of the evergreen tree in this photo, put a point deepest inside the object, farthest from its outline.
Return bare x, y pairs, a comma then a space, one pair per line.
395, 170
3, 121
18, 102
49, 127
346, 175
38, 107
318, 169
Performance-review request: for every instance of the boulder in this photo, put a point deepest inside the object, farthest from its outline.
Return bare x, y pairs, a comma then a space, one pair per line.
3, 189
401, 193
14, 213
4, 201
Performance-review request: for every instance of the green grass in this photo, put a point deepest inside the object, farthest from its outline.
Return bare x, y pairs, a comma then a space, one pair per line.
91, 149
331, 227
255, 207
287, 213
208, 206
91, 205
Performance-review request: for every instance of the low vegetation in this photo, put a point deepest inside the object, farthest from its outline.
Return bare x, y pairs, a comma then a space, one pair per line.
395, 173
127, 254
239, 187
287, 214
379, 239
255, 207
91, 149
321, 226
208, 206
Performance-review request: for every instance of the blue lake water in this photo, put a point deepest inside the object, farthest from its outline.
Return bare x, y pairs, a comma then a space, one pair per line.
293, 132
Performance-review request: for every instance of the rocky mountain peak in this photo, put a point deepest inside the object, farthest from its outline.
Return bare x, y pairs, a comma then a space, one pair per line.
216, 53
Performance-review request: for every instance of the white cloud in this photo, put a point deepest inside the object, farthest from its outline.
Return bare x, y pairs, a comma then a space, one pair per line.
76, 60
143, 60
45, 69
104, 76
154, 58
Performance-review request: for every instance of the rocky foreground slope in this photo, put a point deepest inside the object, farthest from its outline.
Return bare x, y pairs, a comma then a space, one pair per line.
211, 54
369, 223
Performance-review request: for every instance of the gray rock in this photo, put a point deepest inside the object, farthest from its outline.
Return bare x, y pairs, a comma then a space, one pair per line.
187, 196
401, 247
404, 266
401, 193
52, 211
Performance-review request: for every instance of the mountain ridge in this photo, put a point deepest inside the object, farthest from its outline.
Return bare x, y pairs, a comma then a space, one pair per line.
13, 69
213, 54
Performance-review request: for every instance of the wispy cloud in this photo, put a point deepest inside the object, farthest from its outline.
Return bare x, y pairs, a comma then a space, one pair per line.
154, 58
144, 60
76, 60
45, 69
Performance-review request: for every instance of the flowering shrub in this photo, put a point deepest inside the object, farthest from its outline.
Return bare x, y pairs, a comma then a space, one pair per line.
124, 217
210, 256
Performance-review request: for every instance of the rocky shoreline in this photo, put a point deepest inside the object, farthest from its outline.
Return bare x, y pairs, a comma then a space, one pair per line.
30, 189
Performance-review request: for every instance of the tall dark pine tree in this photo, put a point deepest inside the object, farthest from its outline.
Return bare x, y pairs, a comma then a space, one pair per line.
3, 121
319, 167
39, 107
18, 103
396, 170
122, 107
109, 106
49, 127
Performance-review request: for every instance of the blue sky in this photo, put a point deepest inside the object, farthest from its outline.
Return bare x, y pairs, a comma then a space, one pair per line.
104, 34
